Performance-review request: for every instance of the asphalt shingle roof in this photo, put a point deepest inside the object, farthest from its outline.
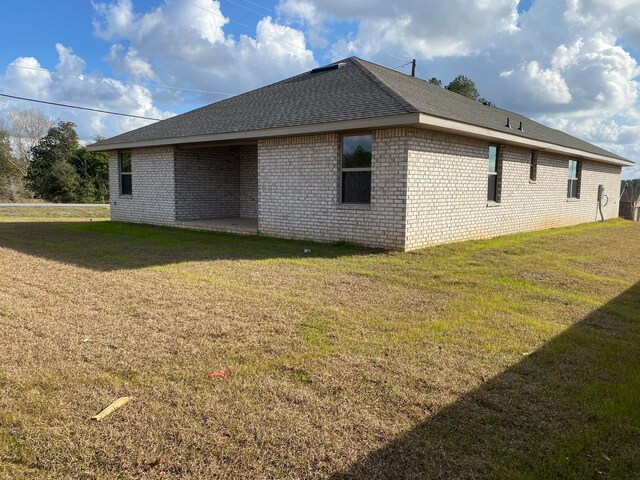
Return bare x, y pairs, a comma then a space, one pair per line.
357, 90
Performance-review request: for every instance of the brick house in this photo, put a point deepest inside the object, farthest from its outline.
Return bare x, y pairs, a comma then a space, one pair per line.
357, 152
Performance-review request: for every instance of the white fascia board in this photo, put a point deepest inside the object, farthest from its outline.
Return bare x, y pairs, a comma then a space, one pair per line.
451, 126
404, 120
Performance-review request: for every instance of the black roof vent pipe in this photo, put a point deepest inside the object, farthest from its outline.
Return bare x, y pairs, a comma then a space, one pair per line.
508, 125
333, 66
521, 128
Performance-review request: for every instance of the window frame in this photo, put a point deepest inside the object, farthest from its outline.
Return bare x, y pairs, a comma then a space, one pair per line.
342, 170
497, 175
533, 166
571, 181
122, 173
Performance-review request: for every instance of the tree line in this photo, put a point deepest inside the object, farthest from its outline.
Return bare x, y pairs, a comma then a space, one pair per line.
43, 159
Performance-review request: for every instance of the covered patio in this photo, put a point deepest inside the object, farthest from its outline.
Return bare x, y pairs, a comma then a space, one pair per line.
216, 188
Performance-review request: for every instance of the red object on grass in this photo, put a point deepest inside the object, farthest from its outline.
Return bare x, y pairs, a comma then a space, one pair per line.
218, 373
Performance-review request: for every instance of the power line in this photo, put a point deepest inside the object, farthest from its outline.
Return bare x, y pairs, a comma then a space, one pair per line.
249, 9
261, 6
78, 107
155, 85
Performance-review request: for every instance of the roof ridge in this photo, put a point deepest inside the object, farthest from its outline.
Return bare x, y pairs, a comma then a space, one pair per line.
403, 102
427, 84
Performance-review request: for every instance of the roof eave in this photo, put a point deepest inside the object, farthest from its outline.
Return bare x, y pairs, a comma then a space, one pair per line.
406, 119
460, 128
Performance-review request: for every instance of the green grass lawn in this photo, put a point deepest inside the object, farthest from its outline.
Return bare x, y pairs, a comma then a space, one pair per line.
514, 358
27, 214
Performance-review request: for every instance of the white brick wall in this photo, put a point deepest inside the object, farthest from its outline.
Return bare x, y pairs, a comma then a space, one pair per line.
447, 191
153, 199
298, 198
427, 188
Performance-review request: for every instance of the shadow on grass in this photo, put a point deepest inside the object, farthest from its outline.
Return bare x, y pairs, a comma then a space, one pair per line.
107, 246
569, 410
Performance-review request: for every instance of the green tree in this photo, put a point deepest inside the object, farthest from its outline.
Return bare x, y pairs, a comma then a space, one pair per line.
49, 166
464, 86
93, 170
62, 184
63, 171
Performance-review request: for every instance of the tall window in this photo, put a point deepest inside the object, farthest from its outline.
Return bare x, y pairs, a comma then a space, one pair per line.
533, 166
356, 169
573, 184
125, 174
493, 190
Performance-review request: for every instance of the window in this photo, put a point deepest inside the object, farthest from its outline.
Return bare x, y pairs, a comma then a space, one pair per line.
125, 174
493, 190
533, 166
573, 184
356, 169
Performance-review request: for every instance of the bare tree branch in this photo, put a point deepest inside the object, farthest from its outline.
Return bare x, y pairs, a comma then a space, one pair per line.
26, 128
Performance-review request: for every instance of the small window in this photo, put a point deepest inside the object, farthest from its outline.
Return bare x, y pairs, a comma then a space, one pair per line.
126, 187
533, 166
356, 169
493, 190
573, 185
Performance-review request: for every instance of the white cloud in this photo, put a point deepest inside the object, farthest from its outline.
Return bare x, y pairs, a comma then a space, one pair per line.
408, 28
68, 83
181, 43
68, 63
130, 63
114, 20
566, 56
591, 76
621, 16
26, 77
544, 86
303, 10
184, 43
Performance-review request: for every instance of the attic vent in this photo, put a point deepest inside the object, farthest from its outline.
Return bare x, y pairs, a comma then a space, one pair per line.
333, 66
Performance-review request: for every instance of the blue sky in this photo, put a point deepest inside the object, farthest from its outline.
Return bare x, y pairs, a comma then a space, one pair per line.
572, 64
